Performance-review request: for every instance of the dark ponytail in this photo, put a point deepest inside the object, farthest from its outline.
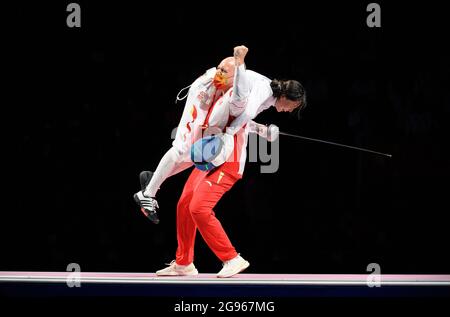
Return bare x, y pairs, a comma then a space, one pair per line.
277, 88
291, 89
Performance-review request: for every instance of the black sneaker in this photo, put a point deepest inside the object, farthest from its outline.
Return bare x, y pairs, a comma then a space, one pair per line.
149, 205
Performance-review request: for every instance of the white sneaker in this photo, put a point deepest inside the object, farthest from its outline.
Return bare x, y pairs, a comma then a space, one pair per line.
177, 270
233, 267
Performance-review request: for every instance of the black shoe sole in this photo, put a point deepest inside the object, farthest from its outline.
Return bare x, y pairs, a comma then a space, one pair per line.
144, 179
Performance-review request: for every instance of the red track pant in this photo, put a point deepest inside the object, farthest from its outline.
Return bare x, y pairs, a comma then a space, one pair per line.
201, 193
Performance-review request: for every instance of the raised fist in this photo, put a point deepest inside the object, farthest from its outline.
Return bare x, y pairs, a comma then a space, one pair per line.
239, 54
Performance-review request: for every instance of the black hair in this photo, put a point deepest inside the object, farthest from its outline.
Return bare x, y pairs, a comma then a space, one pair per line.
291, 89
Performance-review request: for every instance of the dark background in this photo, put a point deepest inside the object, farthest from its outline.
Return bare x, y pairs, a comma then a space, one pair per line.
85, 110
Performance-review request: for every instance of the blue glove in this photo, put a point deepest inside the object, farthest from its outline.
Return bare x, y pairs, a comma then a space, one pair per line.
212, 151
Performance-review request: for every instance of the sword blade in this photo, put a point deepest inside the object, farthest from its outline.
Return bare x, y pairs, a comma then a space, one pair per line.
334, 143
